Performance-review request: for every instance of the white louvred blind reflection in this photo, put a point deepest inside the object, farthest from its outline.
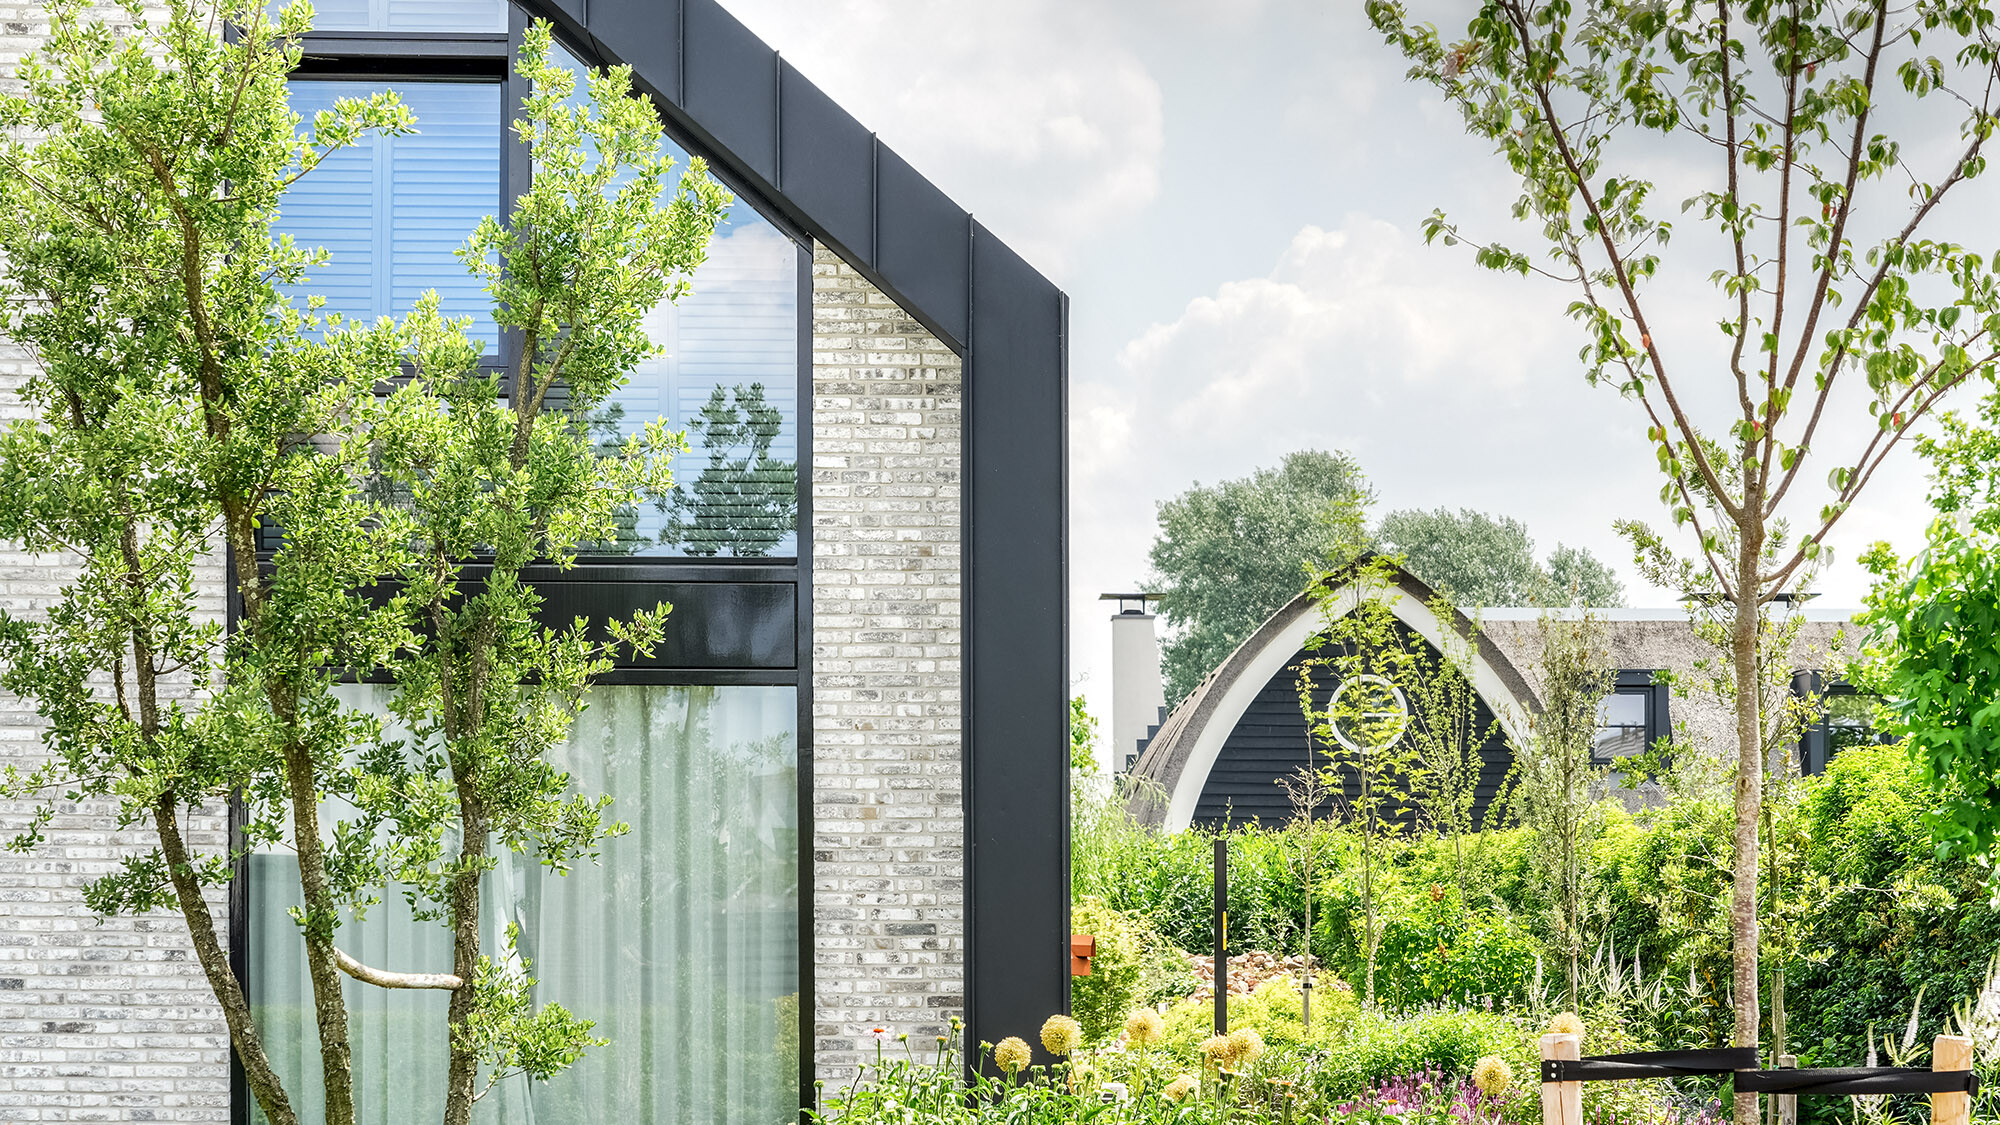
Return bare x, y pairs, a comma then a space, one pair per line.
410, 16
682, 944
393, 211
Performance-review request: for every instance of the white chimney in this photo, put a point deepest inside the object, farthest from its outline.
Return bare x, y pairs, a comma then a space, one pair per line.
1138, 697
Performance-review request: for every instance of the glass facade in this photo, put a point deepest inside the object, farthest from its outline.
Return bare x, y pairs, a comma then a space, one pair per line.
392, 212
682, 943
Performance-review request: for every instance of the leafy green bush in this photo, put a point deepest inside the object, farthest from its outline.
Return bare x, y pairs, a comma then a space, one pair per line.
1434, 949
1275, 1009
1447, 1039
1890, 918
1101, 1000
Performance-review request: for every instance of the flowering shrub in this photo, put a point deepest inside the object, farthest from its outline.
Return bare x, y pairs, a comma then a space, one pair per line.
1429, 1097
1141, 1081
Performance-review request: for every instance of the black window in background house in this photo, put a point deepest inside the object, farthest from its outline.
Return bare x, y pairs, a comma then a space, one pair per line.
1632, 718
1846, 718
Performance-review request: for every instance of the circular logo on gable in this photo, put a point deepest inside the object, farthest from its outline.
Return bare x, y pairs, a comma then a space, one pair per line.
1368, 712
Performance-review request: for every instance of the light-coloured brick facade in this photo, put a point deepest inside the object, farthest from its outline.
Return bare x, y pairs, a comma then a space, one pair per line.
101, 1019
888, 820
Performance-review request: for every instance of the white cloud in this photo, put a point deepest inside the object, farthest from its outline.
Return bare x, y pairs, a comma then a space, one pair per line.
1033, 110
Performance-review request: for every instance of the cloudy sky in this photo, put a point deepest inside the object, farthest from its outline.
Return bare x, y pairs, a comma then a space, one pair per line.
1230, 191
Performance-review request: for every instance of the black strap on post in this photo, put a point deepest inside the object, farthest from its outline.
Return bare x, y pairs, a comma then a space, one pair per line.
1858, 1080
1650, 1064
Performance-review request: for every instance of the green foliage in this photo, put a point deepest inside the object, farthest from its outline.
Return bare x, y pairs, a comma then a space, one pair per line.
1480, 560
1935, 655
1555, 781
1082, 739
1228, 556
1435, 948
1449, 1039
1891, 917
1168, 880
1101, 1000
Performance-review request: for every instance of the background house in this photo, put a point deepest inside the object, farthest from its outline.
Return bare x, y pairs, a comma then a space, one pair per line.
844, 769
1219, 755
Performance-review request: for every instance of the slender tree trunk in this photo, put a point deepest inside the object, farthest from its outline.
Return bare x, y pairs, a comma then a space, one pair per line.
264, 1083
1749, 798
302, 786
463, 1069
322, 921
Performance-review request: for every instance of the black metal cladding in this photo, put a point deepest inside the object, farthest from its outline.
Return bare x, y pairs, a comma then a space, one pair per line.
732, 87
826, 160
644, 36
725, 90
924, 242
1017, 805
715, 624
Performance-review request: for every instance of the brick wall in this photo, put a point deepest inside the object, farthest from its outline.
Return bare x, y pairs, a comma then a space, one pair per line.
888, 823
101, 1019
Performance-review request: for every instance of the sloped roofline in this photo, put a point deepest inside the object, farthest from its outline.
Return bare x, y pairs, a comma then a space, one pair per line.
1176, 763
779, 136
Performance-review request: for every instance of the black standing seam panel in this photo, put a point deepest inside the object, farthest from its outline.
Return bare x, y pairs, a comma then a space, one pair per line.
732, 86
1018, 774
826, 165
643, 35
576, 10
922, 244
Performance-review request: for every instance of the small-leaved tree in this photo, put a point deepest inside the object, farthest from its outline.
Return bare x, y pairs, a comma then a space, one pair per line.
1807, 129
495, 481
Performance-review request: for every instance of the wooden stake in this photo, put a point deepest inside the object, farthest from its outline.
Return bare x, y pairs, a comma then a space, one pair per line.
1951, 1052
1562, 1102
1787, 1104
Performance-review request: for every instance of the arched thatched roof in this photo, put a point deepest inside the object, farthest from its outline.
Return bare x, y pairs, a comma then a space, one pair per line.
1175, 767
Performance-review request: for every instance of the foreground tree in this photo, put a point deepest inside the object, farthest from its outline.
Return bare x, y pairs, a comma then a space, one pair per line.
176, 404
1825, 254
497, 482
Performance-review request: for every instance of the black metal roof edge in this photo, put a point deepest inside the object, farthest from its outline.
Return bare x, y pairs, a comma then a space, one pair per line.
775, 132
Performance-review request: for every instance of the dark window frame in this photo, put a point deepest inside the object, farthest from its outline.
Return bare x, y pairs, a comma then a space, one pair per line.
1646, 683
488, 56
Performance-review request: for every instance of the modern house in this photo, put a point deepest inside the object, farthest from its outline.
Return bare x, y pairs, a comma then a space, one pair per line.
845, 770
1220, 755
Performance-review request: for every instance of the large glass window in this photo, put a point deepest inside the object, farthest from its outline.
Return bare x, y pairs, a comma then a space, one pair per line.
682, 943
408, 16
728, 376
393, 211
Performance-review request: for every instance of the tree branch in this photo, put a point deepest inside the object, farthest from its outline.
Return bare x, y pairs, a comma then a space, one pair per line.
383, 978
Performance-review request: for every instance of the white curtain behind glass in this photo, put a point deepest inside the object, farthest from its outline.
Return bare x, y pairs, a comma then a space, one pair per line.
683, 944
